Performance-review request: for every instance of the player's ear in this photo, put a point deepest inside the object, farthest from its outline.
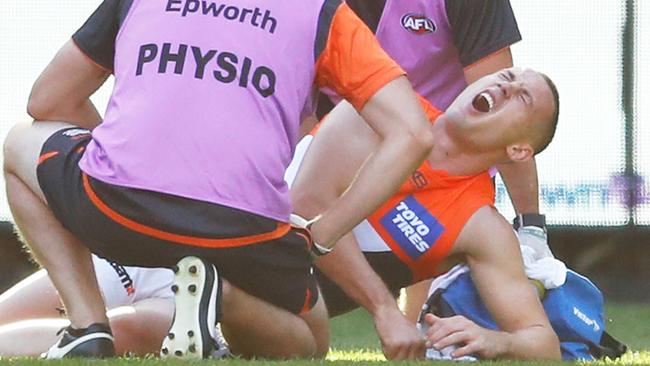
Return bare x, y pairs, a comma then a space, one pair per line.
519, 153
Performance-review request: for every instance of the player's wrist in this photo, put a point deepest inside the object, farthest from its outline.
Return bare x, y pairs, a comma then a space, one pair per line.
385, 311
383, 304
506, 345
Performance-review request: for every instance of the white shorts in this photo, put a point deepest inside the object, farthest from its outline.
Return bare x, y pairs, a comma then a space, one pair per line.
121, 285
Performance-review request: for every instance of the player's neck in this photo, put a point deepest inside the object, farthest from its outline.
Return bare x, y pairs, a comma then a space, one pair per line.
455, 156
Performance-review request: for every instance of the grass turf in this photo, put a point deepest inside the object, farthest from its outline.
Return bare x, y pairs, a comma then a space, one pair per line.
354, 342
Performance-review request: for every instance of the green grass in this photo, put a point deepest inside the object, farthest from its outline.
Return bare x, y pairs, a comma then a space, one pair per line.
354, 342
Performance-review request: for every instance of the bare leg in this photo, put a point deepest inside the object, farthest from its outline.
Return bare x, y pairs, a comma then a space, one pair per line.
29, 338
32, 298
416, 295
67, 261
255, 328
138, 329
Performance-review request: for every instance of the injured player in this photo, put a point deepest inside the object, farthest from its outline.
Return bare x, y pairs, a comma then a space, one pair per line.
443, 215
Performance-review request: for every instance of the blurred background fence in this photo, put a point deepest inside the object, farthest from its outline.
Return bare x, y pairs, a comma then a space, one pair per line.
594, 177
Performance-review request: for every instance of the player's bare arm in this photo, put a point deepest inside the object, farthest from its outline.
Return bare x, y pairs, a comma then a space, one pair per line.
492, 253
62, 91
339, 148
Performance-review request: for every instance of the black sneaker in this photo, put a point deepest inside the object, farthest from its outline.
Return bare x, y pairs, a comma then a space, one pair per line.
96, 341
197, 295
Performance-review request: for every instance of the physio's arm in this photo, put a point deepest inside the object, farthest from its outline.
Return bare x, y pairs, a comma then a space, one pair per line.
405, 140
62, 91
493, 256
521, 182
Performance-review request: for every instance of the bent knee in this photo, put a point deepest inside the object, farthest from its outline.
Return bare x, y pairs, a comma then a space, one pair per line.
12, 146
24, 142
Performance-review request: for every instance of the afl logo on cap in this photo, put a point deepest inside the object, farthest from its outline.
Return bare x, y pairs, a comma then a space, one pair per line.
418, 23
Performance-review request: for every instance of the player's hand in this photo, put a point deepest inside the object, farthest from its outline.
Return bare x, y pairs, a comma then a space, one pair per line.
400, 339
470, 338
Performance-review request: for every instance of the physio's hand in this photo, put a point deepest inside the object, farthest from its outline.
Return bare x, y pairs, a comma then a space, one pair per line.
535, 238
470, 338
400, 339
531, 231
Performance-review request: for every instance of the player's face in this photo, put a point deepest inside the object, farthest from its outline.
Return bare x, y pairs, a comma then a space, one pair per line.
497, 110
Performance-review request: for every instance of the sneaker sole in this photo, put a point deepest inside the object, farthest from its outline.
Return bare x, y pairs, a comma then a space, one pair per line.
196, 289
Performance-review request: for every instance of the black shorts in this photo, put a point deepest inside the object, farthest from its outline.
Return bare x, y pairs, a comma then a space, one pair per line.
136, 227
390, 269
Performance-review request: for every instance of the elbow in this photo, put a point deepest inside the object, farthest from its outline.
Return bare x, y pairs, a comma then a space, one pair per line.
554, 345
538, 344
425, 137
37, 105
308, 202
421, 138
550, 347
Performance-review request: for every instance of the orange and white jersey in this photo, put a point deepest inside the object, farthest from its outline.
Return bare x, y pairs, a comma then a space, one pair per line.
421, 222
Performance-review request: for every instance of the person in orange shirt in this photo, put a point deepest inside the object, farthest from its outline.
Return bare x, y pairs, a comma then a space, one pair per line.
443, 214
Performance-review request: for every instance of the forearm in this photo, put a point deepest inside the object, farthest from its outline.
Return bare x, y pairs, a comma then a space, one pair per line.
521, 182
534, 343
348, 268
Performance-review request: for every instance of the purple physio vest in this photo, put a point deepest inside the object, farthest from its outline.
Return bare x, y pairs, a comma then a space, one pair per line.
208, 99
417, 34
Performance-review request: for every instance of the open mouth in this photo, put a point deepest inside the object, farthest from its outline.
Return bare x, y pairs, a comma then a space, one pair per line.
483, 102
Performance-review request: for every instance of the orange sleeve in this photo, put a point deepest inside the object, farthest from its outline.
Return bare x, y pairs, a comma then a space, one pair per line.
432, 112
353, 63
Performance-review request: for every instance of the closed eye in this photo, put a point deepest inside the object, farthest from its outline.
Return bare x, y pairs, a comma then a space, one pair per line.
526, 97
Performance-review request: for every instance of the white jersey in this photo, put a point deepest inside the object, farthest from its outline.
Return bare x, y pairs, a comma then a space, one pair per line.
121, 285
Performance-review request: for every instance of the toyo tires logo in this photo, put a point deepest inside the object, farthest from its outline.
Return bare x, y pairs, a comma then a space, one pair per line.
418, 23
412, 227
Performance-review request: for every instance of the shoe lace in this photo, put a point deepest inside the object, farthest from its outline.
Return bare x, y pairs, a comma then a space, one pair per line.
62, 330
